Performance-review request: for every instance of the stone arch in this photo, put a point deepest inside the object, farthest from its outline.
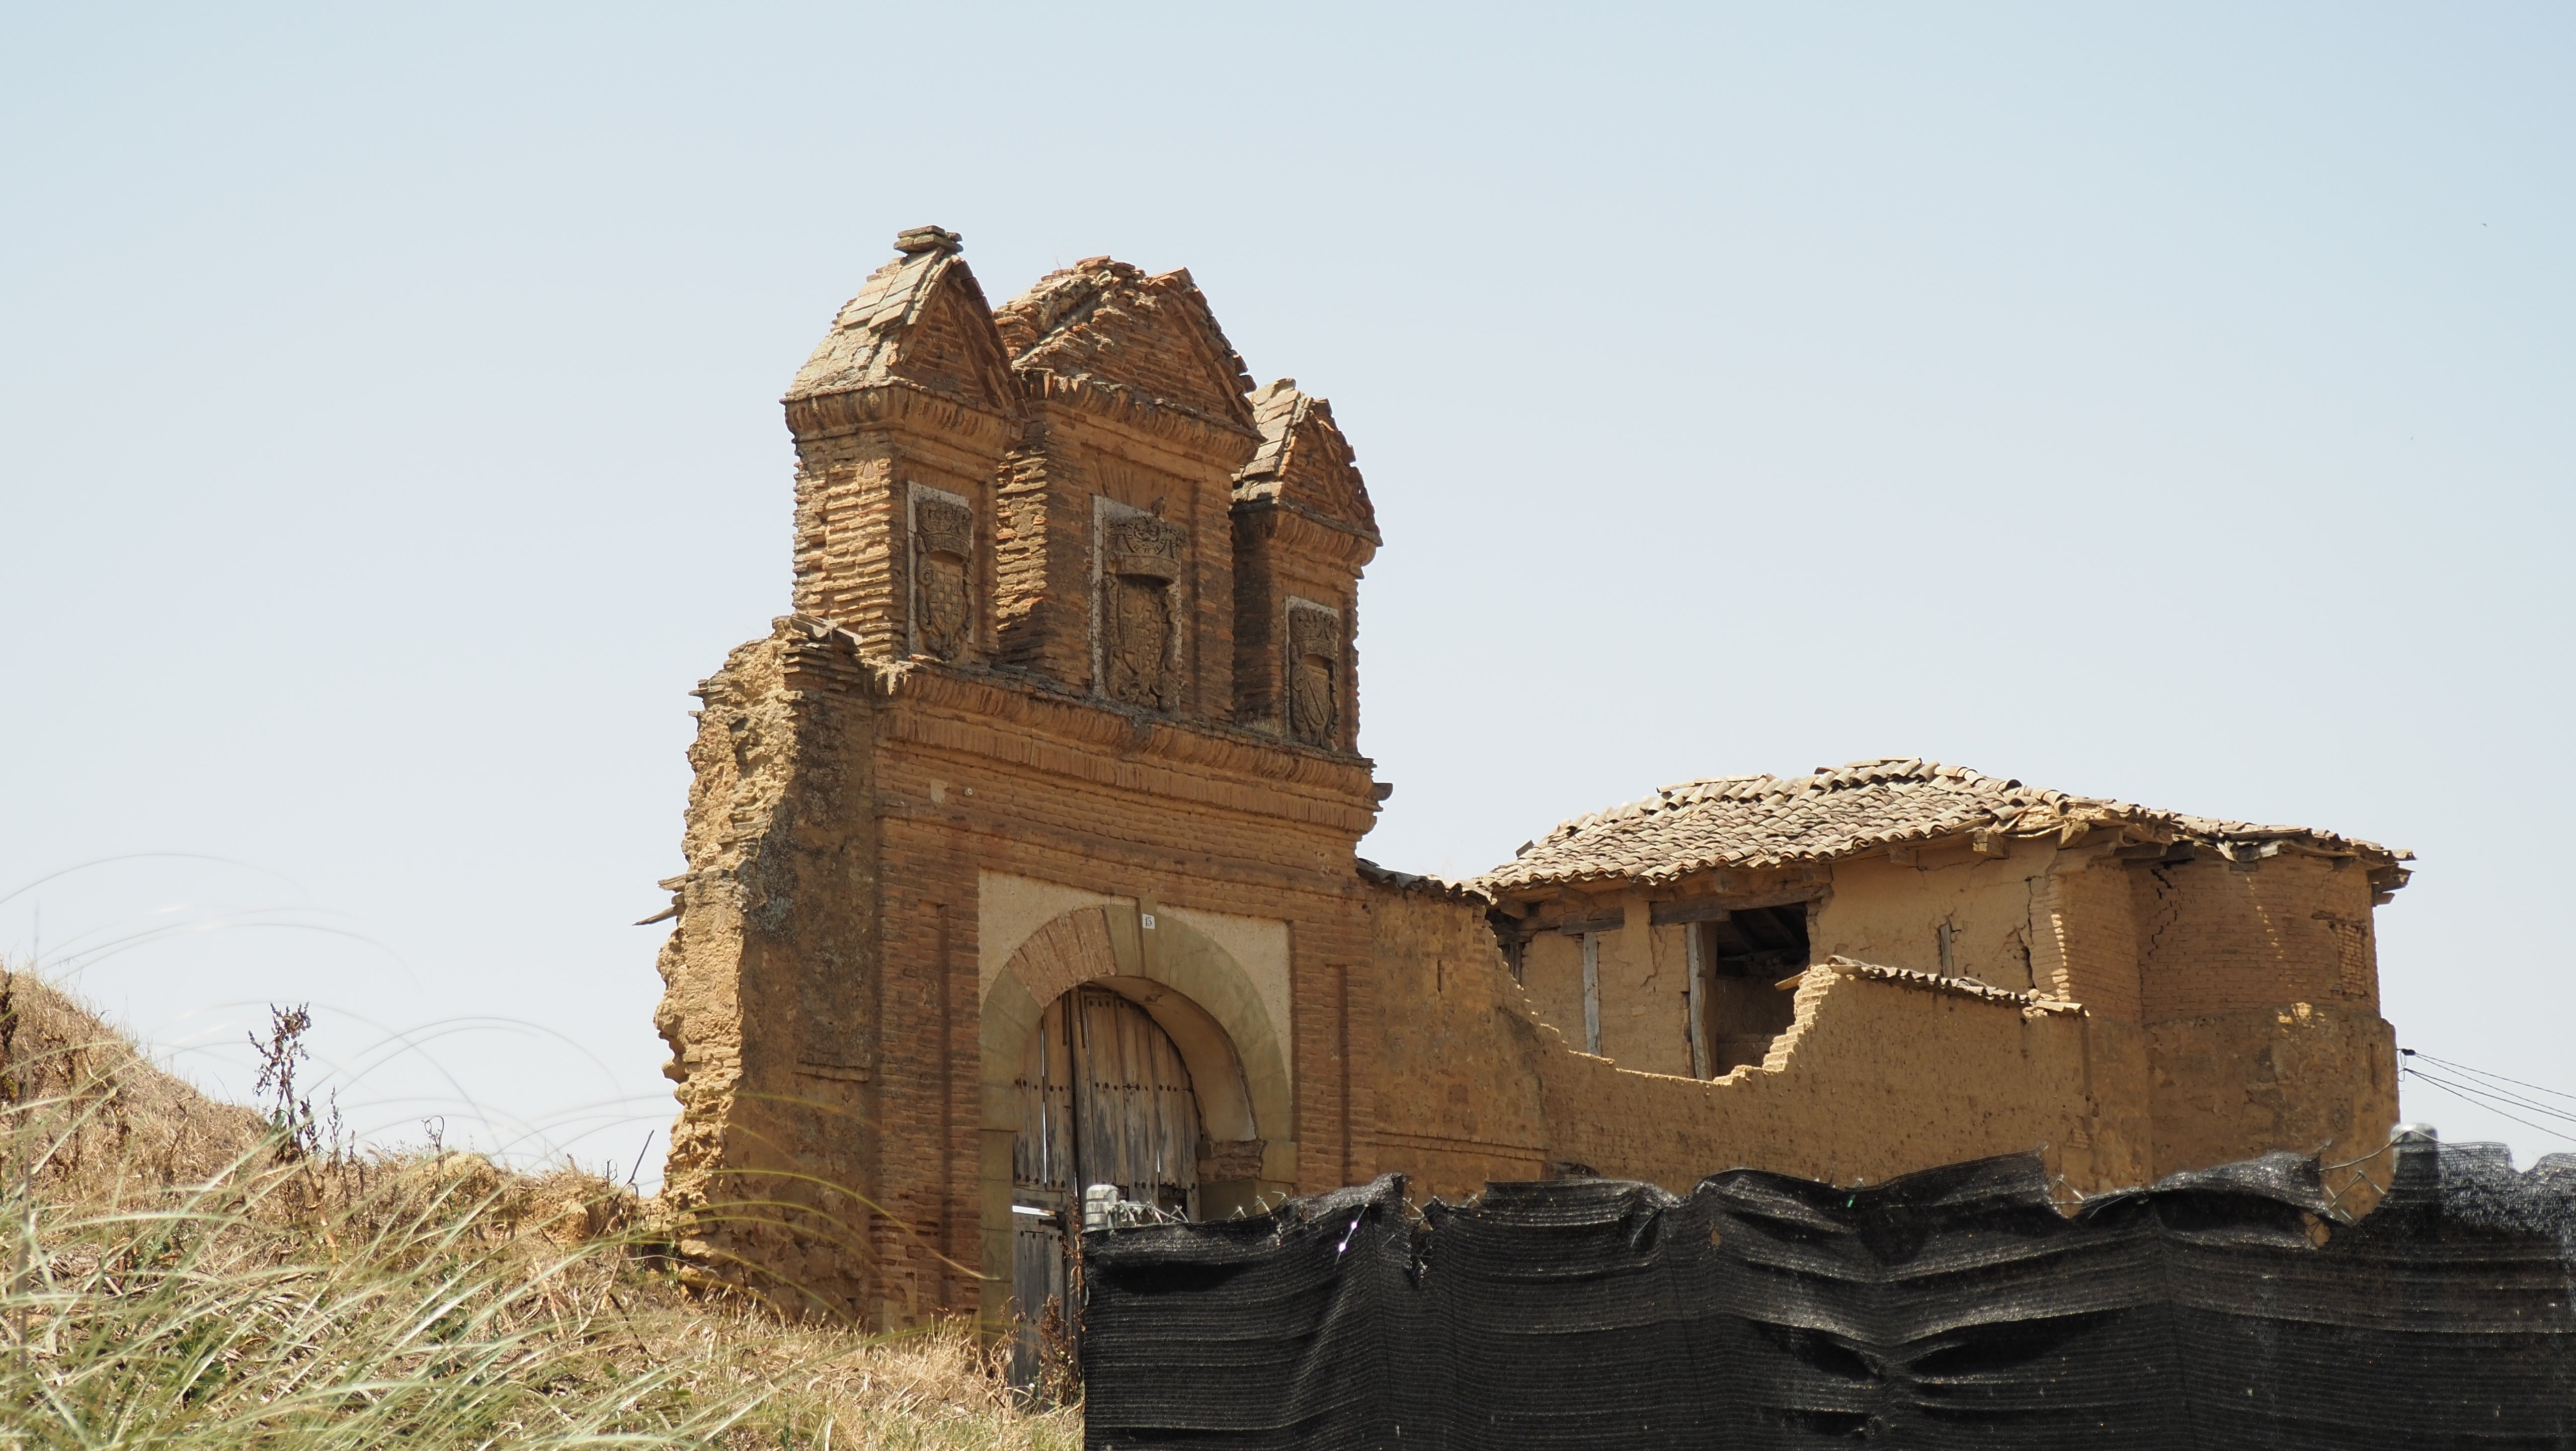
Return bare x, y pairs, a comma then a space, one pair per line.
1200, 997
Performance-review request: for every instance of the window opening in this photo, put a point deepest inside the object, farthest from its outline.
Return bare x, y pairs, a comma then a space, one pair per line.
1736, 960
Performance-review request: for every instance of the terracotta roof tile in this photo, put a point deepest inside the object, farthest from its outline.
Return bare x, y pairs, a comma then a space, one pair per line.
1770, 821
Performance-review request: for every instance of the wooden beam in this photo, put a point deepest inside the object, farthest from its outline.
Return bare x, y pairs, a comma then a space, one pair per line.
1709, 909
1586, 926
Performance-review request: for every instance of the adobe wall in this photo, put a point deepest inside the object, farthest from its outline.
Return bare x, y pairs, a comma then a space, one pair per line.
2084, 938
1459, 1101
2260, 984
771, 990
1482, 1080
1644, 977
1891, 912
2025, 913
2216, 935
2311, 1078
1875, 1078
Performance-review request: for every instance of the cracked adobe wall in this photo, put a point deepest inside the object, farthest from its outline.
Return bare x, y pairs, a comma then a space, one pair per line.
1877, 1077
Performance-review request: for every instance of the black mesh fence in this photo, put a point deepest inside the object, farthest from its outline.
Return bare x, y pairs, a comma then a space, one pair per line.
1953, 1308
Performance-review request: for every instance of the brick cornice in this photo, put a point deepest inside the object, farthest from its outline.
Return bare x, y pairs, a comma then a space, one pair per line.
1006, 716
1143, 416
898, 403
1312, 533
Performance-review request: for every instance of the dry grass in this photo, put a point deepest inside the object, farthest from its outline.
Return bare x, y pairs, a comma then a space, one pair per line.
176, 1281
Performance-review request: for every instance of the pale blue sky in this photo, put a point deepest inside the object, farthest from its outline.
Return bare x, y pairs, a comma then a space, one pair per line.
2171, 405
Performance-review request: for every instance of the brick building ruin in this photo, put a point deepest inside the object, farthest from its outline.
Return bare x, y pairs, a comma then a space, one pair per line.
1021, 858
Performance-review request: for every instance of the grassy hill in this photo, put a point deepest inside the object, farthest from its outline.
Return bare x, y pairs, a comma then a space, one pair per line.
182, 1274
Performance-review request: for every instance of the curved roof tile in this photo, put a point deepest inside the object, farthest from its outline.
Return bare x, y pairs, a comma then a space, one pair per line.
1769, 821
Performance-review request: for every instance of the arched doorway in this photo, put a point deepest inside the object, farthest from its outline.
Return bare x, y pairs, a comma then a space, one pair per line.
1211, 1040
1105, 1099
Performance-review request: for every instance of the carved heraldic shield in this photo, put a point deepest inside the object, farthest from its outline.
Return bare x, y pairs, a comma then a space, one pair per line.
1139, 643
1314, 675
943, 540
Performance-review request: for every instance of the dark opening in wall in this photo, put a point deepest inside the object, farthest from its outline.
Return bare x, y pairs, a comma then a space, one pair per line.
1740, 957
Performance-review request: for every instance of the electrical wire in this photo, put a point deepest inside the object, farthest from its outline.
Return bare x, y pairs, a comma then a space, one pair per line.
2491, 1108
2498, 1095
2482, 1073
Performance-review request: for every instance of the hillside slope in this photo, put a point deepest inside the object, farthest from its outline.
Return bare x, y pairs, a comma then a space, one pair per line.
182, 1275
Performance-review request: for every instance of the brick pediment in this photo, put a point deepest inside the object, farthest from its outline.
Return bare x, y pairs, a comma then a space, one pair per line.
1304, 463
922, 320
1111, 323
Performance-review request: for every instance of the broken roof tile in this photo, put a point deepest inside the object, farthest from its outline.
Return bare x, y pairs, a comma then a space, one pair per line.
1841, 811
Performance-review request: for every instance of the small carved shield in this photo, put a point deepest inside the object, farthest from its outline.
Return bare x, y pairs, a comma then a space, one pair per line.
943, 605
1314, 684
943, 540
1136, 648
1311, 700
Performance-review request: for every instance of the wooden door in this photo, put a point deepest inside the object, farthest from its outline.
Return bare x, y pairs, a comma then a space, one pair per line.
1104, 1099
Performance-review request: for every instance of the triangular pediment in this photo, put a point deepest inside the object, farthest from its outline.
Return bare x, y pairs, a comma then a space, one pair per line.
1111, 322
920, 319
1304, 460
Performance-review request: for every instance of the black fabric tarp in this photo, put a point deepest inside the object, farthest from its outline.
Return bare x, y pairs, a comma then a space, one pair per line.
1952, 1308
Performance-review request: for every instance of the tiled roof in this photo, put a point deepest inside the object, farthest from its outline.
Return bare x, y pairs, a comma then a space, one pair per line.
1769, 821
1395, 881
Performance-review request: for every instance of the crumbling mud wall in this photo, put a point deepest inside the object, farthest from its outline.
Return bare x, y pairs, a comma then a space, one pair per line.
769, 975
1884, 1071
1460, 1099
